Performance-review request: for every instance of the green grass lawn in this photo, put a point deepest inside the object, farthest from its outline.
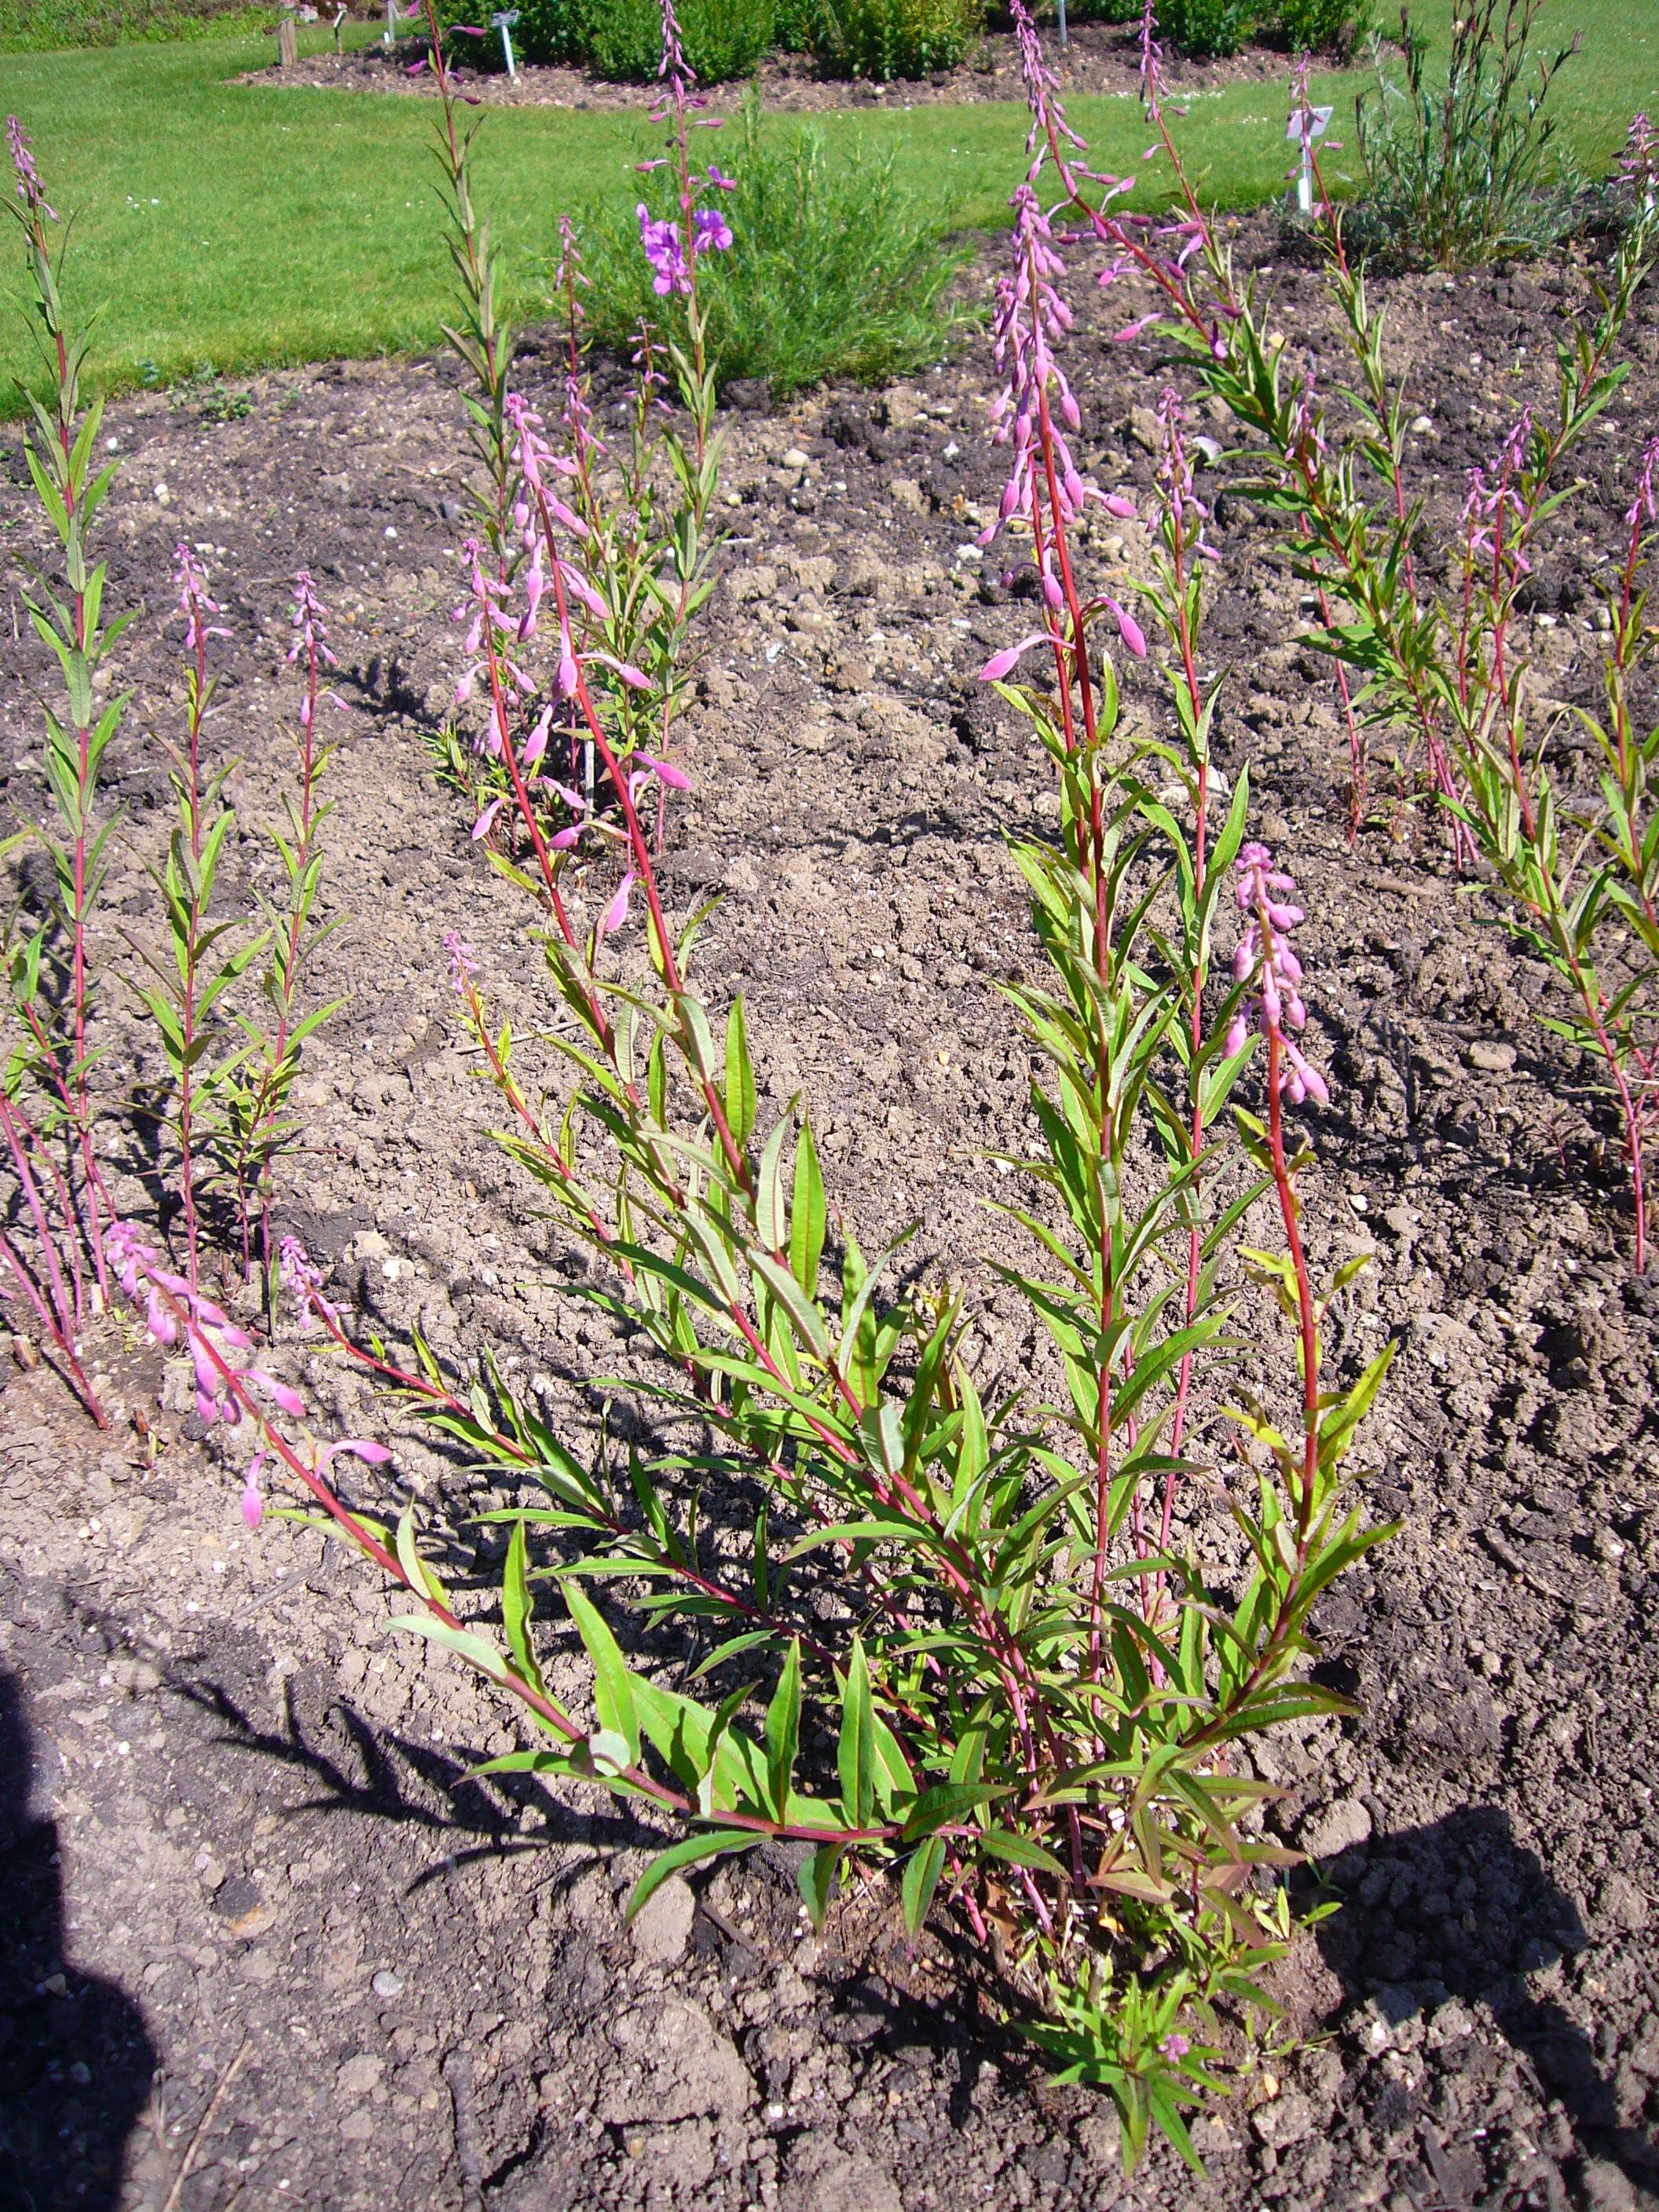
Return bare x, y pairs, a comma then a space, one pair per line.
245, 226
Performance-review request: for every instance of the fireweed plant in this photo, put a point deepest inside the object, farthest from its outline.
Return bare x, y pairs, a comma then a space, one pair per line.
46, 1110
1446, 675
204, 956
227, 1101
1037, 1699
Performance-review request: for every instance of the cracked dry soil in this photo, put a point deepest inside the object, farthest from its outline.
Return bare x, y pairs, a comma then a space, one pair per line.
247, 1917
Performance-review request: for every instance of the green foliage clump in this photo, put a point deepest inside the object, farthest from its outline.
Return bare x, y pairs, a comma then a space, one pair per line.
885, 39
548, 31
833, 270
53, 26
1204, 28
1322, 25
1462, 171
723, 38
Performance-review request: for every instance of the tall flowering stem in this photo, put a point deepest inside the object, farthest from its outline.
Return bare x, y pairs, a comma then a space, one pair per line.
484, 339
257, 1094
1450, 678
186, 987
59, 445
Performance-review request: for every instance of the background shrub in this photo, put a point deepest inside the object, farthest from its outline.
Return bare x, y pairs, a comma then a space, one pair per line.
1463, 168
885, 39
546, 31
833, 270
1322, 25
1205, 28
723, 38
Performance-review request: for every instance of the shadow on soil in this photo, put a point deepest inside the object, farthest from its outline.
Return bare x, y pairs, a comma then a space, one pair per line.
1455, 1910
76, 2063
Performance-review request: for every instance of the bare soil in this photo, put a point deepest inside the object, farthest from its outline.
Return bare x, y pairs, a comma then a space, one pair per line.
250, 1915
1099, 57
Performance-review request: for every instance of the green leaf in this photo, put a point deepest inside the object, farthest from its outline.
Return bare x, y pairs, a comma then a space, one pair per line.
856, 1755
517, 1606
476, 1650
1020, 1851
740, 1097
706, 1844
808, 1215
920, 1880
783, 1730
815, 1878
613, 1696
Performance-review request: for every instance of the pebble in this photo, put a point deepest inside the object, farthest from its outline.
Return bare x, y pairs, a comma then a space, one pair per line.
386, 1984
1623, 1905
1491, 1056
662, 1926
794, 459
1342, 1827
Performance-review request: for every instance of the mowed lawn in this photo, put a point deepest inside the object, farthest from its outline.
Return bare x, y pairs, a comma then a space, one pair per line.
245, 227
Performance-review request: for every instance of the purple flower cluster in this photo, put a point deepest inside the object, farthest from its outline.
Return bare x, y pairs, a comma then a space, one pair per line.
1487, 501
1646, 505
1032, 314
665, 243
1175, 472
304, 1284
1638, 164
190, 579
463, 962
311, 620
1264, 895
212, 1339
1031, 317
29, 190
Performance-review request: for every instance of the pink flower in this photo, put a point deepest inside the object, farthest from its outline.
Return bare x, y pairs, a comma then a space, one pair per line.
710, 231
254, 1506
616, 913
1129, 629
304, 1284
1000, 664
665, 252
480, 827
675, 779
1114, 503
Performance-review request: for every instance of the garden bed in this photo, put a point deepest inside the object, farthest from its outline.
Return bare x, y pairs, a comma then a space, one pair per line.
1099, 57
233, 1838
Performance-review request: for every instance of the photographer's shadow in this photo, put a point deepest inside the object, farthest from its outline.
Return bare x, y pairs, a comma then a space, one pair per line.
75, 2062
1437, 1919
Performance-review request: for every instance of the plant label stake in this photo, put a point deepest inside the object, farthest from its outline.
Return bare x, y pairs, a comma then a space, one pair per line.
502, 21
1317, 121
391, 35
